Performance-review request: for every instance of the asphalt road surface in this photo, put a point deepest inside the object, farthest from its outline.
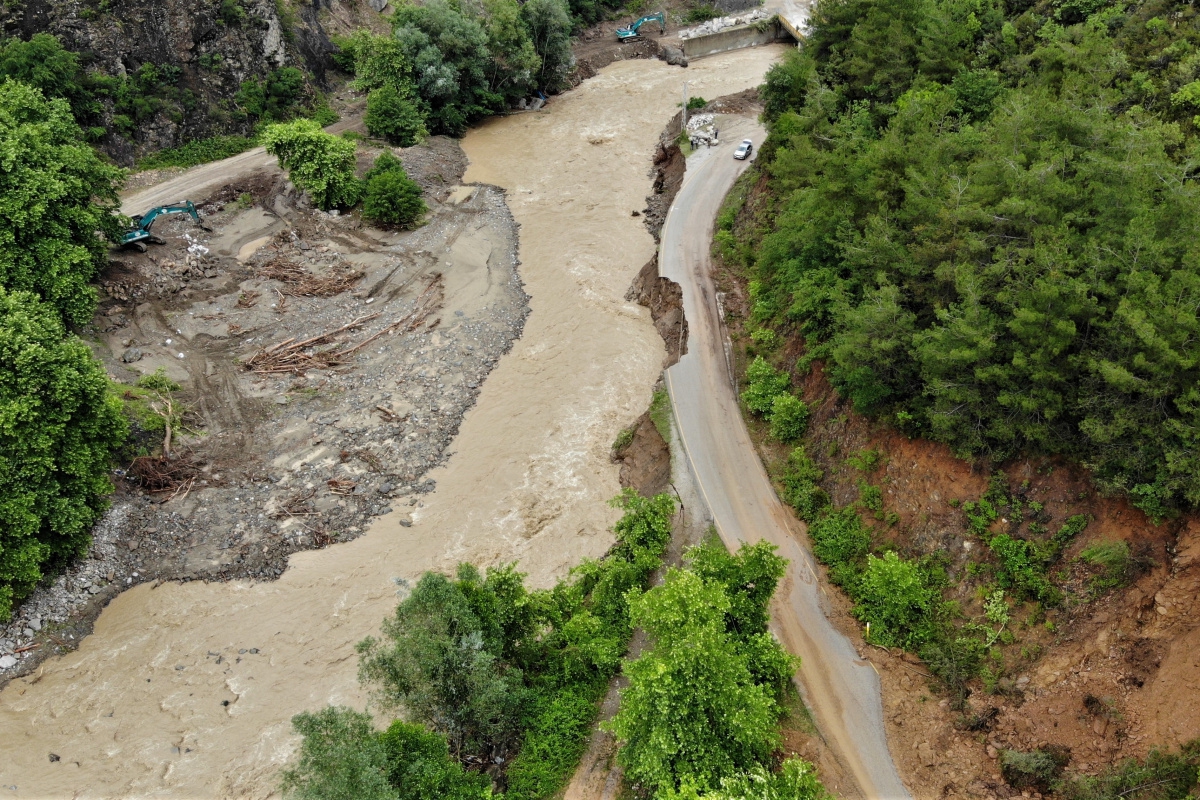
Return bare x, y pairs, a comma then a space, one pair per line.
841, 689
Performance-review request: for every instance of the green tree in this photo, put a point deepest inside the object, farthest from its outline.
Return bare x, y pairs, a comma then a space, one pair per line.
692, 709
394, 117
58, 203
449, 54
317, 162
514, 61
58, 429
377, 62
44, 64
549, 25
439, 663
341, 758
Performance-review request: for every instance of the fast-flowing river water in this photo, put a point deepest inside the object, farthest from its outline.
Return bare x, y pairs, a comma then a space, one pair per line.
143, 708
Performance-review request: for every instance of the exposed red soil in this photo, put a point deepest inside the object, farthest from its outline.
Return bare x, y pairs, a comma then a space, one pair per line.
1117, 675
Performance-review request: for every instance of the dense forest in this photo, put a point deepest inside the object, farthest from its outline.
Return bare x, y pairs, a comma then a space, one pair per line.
983, 219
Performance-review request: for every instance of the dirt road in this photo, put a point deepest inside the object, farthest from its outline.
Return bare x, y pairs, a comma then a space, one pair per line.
841, 689
187, 690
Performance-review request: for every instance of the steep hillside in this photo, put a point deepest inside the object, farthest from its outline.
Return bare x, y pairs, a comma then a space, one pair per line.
156, 75
963, 285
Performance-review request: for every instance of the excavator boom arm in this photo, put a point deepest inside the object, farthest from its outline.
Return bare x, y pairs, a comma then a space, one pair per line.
632, 30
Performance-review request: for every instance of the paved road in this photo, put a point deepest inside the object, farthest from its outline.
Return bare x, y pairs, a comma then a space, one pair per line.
841, 689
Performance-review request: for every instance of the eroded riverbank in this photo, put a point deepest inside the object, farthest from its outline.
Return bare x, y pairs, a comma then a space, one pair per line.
159, 700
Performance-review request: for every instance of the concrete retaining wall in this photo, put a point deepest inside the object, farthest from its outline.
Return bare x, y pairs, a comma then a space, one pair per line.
735, 39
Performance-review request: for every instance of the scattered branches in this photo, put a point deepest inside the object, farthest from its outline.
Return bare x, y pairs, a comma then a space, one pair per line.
298, 357
299, 282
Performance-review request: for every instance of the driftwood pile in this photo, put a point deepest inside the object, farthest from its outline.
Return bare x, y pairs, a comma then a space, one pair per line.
296, 357
299, 282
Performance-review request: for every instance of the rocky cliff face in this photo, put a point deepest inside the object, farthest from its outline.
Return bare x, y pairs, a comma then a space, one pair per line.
202, 51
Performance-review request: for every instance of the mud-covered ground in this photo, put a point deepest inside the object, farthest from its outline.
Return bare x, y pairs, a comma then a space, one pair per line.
298, 453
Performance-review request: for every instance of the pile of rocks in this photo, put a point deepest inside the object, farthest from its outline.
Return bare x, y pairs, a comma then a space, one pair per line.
721, 23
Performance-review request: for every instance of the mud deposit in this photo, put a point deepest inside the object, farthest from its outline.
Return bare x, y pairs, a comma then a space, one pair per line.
290, 456
188, 689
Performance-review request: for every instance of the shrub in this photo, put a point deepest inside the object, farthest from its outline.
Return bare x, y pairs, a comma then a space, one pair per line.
894, 598
1161, 776
273, 98
58, 428
200, 151
56, 195
394, 117
839, 540
419, 766
317, 162
763, 384
1113, 559
391, 196
789, 417
556, 736
801, 485
1037, 770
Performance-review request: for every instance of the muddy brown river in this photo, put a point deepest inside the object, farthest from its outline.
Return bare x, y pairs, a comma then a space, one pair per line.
187, 690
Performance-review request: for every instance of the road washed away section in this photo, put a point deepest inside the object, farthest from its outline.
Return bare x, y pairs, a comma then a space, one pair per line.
187, 690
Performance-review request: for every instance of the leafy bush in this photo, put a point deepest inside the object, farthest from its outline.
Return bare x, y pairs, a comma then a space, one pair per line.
394, 117
419, 766
763, 384
795, 780
557, 732
231, 13
391, 196
789, 417
317, 162
840, 540
56, 196
801, 485
895, 599
58, 428
200, 151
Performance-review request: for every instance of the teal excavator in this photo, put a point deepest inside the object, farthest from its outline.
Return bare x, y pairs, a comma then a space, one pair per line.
629, 32
140, 234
